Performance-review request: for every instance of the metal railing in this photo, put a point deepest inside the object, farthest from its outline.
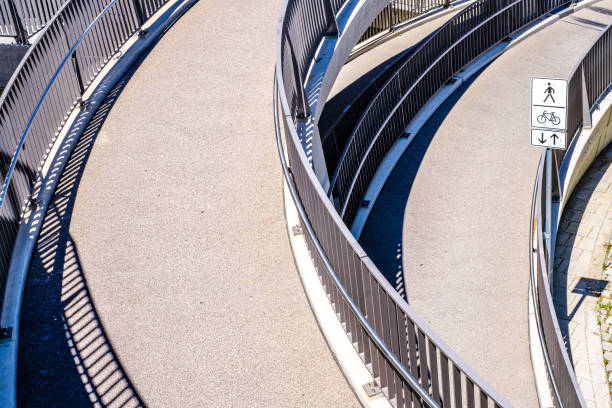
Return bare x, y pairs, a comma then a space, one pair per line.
22, 18
454, 45
409, 362
49, 83
590, 79
397, 13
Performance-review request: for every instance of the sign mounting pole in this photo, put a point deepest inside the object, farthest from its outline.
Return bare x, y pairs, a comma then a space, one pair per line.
549, 102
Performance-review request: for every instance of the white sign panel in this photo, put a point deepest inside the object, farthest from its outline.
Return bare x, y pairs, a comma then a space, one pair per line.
549, 138
549, 103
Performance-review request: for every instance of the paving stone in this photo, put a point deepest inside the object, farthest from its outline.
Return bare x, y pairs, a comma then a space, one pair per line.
586, 244
587, 388
602, 402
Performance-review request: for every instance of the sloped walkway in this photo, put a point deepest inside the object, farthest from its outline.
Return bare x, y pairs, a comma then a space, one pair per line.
173, 255
453, 219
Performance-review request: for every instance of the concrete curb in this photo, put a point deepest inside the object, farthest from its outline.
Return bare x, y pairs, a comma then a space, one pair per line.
30, 226
351, 365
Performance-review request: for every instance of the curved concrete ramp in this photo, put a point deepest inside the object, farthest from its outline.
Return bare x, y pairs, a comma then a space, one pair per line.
177, 242
455, 214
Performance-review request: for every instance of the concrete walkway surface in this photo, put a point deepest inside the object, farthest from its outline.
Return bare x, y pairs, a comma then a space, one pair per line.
451, 226
171, 268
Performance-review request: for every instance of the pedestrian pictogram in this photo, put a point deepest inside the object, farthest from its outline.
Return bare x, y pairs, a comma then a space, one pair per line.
549, 103
549, 93
548, 138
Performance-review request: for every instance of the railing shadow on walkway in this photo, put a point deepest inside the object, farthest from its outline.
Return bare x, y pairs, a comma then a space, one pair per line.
65, 355
577, 207
383, 233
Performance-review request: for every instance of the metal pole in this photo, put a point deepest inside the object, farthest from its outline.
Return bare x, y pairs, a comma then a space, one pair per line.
77, 70
75, 66
22, 36
303, 109
332, 24
140, 17
548, 220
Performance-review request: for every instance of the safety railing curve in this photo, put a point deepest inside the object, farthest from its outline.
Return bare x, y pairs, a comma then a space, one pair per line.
588, 82
410, 363
464, 37
22, 19
50, 81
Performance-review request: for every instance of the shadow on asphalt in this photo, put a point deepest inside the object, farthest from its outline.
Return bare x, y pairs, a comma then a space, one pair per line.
336, 105
383, 233
65, 356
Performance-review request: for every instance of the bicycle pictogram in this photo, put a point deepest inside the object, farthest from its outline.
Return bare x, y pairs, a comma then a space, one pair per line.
550, 117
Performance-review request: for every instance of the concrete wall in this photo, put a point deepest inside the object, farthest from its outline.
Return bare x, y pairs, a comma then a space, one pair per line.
582, 153
10, 56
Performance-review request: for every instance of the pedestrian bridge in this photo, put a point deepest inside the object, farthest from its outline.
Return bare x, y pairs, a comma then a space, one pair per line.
149, 227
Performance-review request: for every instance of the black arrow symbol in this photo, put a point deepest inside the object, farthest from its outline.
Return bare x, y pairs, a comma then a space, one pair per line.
554, 138
541, 139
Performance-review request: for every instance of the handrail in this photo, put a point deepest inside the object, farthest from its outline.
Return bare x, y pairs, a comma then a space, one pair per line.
532, 279
402, 97
399, 336
399, 103
42, 98
424, 395
432, 37
44, 90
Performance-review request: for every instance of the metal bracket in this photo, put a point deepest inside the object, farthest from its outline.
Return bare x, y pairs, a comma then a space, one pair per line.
372, 389
83, 105
34, 203
142, 33
297, 230
365, 204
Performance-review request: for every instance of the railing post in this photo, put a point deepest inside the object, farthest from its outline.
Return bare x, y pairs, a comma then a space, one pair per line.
22, 36
303, 111
141, 18
586, 110
75, 66
330, 18
77, 70
390, 17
